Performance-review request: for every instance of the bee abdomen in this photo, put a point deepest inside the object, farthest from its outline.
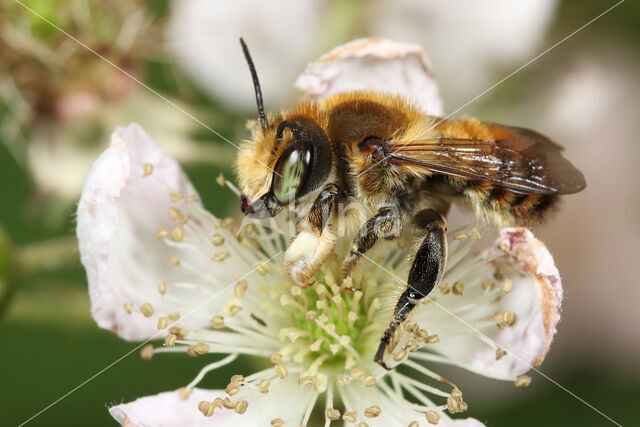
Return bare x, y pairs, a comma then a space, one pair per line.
521, 209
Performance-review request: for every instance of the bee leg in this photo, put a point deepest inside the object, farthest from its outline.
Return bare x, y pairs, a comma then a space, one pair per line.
386, 224
426, 272
315, 242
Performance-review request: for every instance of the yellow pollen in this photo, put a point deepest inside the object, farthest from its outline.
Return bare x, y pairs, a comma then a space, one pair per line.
458, 288
240, 288
241, 407
432, 417
162, 288
177, 234
306, 381
488, 285
163, 322
433, 339
232, 389
176, 196
372, 411
456, 393
414, 424
462, 235
174, 213
207, 408
277, 422
128, 306
203, 348
148, 169
282, 371
357, 373
147, 309
399, 355
444, 289
147, 352
506, 286
475, 234
170, 340
321, 383
369, 380
350, 417
174, 316
191, 351
221, 256
508, 317
184, 392
264, 386
217, 402
500, 353
237, 379
162, 233
332, 414
173, 260
523, 381
218, 240
218, 322
227, 403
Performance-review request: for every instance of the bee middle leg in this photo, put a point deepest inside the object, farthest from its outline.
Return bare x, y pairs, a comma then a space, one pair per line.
386, 223
426, 272
316, 240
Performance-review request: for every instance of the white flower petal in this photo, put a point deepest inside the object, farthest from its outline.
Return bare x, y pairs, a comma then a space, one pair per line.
535, 299
118, 216
380, 65
170, 409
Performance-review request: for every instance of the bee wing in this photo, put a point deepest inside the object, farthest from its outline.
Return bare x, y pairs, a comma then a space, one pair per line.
519, 160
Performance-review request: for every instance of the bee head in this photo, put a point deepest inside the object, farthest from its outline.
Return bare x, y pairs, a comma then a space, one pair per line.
286, 159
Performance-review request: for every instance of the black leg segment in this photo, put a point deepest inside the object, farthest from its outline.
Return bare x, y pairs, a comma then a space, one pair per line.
426, 272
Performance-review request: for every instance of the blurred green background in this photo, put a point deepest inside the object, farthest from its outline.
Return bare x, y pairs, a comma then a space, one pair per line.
59, 102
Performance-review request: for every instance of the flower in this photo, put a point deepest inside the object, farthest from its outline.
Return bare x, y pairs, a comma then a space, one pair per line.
160, 266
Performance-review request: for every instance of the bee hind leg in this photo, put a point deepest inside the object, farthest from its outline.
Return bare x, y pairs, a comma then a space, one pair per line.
385, 224
426, 272
316, 241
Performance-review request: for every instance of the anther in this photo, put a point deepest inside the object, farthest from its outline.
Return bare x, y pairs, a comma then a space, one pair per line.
128, 306
263, 386
162, 288
310, 316
147, 309
173, 260
202, 348
357, 373
175, 196
475, 234
170, 340
277, 422
523, 381
432, 417
372, 411
276, 358
500, 353
320, 383
488, 285
369, 380
350, 417
332, 414
241, 407
148, 169
458, 288
177, 234
306, 381
282, 371
220, 256
162, 233
240, 288
433, 339
460, 236
147, 352
506, 286
218, 240
218, 322
163, 322
207, 408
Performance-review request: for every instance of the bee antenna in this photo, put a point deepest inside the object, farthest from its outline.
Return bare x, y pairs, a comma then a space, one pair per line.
256, 85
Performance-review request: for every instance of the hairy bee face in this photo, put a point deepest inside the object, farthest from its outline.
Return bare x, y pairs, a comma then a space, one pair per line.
280, 166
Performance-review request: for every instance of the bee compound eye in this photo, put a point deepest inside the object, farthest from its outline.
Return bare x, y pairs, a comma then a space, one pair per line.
291, 173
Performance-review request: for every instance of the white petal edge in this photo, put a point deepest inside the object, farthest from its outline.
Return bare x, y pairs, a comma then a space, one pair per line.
118, 214
170, 409
535, 298
374, 64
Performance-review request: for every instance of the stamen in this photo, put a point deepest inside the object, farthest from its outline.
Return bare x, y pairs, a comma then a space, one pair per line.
148, 169
147, 310
523, 381
162, 288
147, 352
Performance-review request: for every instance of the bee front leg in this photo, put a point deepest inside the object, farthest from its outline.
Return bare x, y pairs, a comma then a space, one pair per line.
316, 241
426, 272
386, 224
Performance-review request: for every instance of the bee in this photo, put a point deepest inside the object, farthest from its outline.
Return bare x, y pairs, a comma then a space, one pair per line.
405, 169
